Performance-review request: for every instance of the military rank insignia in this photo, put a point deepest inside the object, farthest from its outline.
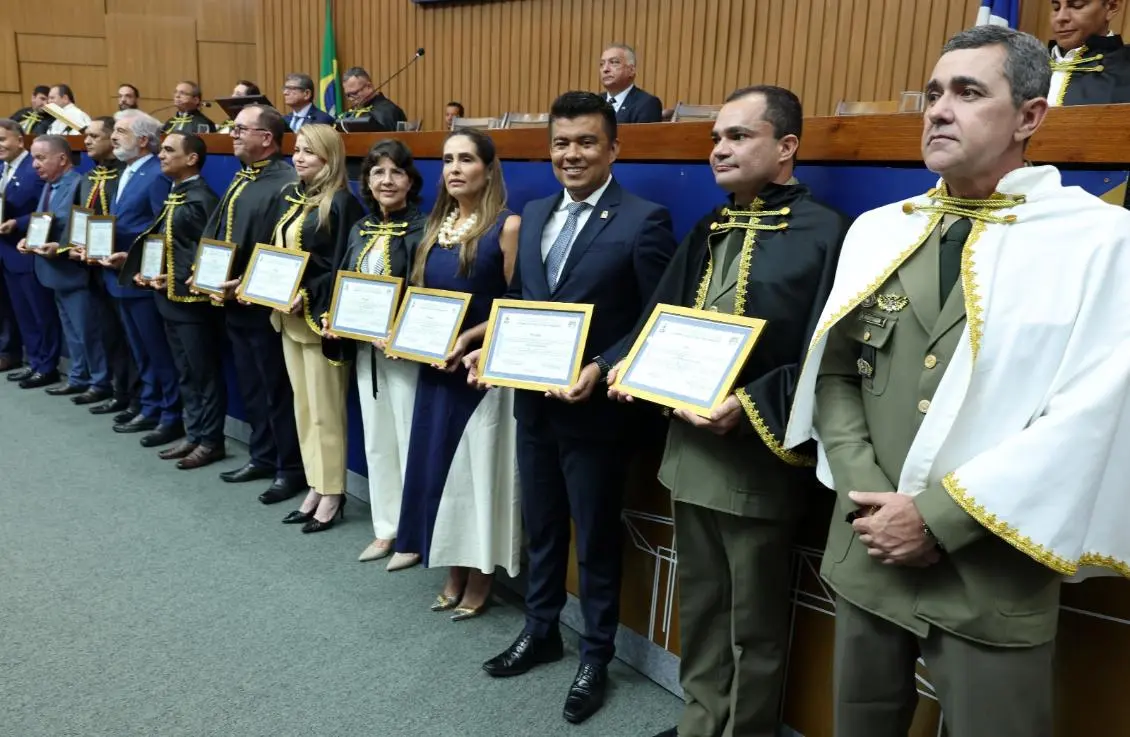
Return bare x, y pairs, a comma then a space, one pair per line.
866, 370
892, 302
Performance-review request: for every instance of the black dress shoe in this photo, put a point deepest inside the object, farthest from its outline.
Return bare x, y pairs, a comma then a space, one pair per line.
317, 525
673, 732
586, 695
249, 472
163, 435
526, 652
21, 374
90, 396
281, 490
39, 380
66, 390
110, 407
123, 417
140, 423
298, 518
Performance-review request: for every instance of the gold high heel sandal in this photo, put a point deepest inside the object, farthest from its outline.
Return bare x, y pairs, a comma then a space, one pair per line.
464, 613
444, 602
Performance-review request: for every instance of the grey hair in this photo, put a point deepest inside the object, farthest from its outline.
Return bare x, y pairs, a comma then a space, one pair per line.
1026, 63
7, 124
142, 124
57, 144
302, 80
629, 52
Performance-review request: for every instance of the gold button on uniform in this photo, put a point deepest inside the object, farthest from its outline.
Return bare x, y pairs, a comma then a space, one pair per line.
867, 335
713, 308
924, 406
931, 361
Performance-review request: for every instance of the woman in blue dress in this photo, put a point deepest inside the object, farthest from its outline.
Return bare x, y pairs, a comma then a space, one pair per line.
460, 504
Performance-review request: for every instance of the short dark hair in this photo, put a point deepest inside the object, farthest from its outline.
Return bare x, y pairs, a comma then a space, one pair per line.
65, 89
252, 88
459, 106
400, 155
272, 120
576, 103
7, 124
1025, 63
782, 108
41, 89
136, 92
358, 72
57, 144
106, 121
302, 80
193, 144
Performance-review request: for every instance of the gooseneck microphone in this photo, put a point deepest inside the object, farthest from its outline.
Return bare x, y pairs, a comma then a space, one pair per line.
417, 55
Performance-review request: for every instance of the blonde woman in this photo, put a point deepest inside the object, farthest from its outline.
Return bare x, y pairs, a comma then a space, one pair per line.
318, 213
460, 504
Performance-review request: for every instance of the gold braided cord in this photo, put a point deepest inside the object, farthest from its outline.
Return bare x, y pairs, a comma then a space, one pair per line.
243, 177
771, 442
976, 210
30, 120
1069, 67
299, 205
172, 202
178, 120
100, 175
375, 232
359, 111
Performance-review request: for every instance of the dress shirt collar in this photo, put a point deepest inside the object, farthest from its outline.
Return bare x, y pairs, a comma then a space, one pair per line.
304, 113
618, 99
137, 164
13, 165
1059, 54
592, 199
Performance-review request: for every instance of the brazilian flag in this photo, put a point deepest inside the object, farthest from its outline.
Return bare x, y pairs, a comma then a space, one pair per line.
329, 86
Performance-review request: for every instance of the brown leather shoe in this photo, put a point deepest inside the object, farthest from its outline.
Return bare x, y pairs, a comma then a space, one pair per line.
202, 456
177, 451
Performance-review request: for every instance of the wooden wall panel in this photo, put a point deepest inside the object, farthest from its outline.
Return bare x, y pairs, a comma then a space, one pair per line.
89, 83
10, 102
224, 20
9, 60
79, 17
184, 8
140, 52
221, 64
61, 49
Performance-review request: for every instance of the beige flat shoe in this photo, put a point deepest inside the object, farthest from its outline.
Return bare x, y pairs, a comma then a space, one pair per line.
377, 549
400, 561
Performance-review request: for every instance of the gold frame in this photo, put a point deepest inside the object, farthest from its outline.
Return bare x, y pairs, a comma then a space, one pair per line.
40, 215
113, 240
261, 248
71, 226
583, 310
463, 297
229, 247
756, 325
141, 263
339, 280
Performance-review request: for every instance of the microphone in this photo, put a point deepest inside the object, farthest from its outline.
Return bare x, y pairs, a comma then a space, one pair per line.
417, 55
160, 109
205, 103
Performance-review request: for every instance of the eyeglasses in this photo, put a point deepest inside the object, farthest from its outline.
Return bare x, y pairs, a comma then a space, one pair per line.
292, 88
239, 130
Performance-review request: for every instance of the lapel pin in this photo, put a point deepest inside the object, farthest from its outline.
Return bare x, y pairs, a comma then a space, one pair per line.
604, 214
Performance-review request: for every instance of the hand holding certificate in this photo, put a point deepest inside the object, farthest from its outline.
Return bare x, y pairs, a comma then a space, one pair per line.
273, 277
99, 237
428, 325
534, 345
38, 228
79, 217
688, 359
152, 257
212, 267
363, 305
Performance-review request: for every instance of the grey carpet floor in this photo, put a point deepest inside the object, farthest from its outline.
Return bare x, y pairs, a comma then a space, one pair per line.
136, 599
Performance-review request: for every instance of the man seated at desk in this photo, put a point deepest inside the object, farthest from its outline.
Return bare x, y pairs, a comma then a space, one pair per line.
33, 119
298, 95
367, 104
189, 119
62, 96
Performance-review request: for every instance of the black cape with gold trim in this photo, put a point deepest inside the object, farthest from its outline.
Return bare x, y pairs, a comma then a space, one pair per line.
789, 278
188, 122
326, 245
192, 205
246, 215
33, 123
108, 174
1086, 84
380, 111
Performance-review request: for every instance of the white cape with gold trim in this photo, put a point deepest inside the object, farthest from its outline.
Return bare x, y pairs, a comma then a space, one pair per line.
1029, 430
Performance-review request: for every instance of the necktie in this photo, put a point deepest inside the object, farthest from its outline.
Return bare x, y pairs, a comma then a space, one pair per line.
4, 177
949, 258
296, 122
555, 259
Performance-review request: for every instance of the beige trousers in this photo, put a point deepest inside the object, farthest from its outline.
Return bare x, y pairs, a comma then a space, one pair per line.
319, 405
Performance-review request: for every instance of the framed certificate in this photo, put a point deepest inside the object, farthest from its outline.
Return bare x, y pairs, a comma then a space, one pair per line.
688, 359
38, 229
363, 305
273, 276
79, 218
212, 266
428, 324
534, 345
152, 257
1, 208
99, 237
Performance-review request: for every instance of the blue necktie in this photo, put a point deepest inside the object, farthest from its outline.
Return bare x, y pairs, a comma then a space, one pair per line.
555, 260
45, 198
297, 121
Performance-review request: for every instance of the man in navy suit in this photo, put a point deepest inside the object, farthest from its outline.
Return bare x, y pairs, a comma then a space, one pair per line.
598, 244
69, 280
139, 200
298, 94
32, 303
618, 75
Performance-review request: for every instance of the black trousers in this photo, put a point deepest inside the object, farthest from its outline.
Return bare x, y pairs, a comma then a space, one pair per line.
123, 369
563, 479
197, 352
267, 396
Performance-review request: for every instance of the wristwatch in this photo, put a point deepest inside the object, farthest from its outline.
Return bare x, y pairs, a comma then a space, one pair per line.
603, 366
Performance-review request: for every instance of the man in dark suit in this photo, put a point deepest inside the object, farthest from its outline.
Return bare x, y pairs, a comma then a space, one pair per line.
618, 75
298, 94
34, 120
245, 216
187, 98
367, 105
598, 244
32, 303
141, 193
70, 280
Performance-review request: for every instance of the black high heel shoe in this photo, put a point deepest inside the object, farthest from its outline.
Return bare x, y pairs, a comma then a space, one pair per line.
316, 525
298, 517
